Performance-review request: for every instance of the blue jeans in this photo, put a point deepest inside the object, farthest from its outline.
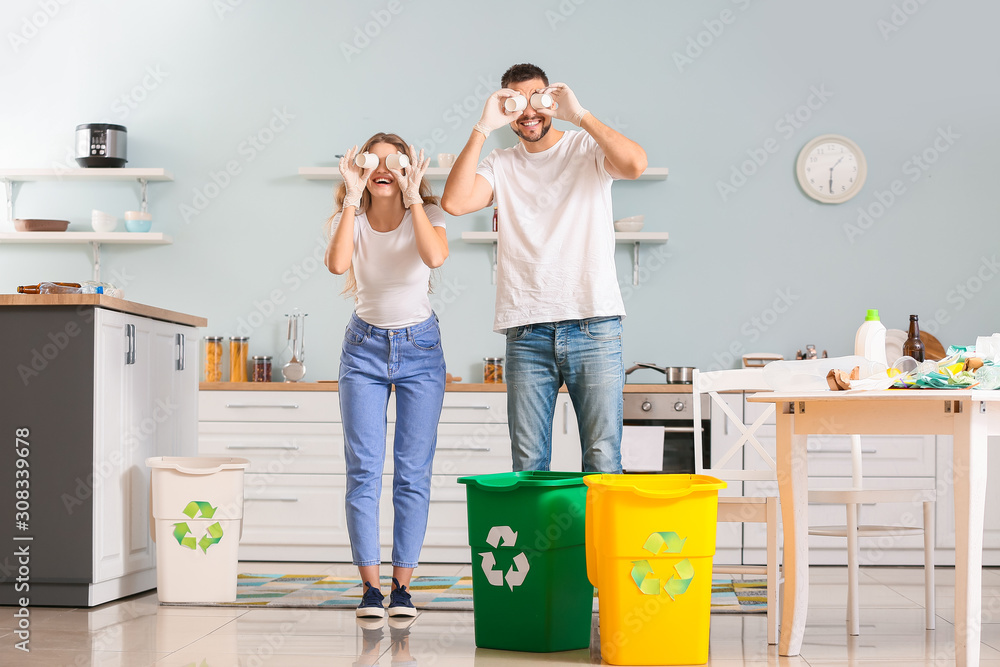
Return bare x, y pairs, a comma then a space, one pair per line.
587, 356
372, 360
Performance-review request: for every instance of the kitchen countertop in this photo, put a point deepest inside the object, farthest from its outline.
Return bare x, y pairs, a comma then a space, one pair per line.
102, 301
453, 386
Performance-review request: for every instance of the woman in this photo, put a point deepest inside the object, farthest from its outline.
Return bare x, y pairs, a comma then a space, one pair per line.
389, 233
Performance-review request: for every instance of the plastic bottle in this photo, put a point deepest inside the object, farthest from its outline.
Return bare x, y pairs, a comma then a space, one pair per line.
914, 347
495, 218
869, 342
59, 288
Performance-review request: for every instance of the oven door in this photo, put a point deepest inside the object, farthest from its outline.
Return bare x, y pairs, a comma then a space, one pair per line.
678, 443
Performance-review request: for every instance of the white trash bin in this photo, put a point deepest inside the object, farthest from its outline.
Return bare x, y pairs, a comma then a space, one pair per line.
196, 507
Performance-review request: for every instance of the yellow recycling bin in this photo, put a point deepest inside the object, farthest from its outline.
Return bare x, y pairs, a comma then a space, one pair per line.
650, 542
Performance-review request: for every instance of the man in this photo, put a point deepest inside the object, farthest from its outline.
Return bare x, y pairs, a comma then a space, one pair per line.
557, 289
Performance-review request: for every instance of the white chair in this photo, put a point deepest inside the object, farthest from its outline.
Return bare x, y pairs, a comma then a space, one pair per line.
853, 498
729, 467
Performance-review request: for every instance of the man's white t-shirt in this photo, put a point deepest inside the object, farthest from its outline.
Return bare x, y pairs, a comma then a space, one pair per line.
392, 279
556, 243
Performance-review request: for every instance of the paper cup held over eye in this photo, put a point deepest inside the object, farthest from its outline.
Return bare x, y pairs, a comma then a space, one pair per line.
515, 103
541, 101
366, 160
397, 161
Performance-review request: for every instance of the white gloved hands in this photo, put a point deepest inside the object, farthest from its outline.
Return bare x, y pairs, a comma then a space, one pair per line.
355, 179
494, 114
410, 178
566, 107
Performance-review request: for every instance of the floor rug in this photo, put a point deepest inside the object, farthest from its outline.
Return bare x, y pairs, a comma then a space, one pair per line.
433, 593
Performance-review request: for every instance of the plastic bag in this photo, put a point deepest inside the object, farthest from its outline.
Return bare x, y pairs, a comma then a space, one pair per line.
810, 374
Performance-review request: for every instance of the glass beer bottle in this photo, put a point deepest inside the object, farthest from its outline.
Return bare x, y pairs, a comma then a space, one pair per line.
914, 347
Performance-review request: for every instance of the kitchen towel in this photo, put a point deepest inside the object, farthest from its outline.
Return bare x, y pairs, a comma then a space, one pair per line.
642, 448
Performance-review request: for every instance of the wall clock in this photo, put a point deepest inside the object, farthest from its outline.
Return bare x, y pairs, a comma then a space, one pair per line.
831, 169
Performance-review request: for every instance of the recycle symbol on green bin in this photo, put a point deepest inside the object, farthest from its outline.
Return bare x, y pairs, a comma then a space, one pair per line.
517, 572
680, 578
182, 530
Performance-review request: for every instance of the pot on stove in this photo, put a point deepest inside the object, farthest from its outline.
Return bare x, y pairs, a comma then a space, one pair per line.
672, 374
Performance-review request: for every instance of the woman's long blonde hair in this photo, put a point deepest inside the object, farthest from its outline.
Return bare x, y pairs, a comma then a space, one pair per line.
351, 285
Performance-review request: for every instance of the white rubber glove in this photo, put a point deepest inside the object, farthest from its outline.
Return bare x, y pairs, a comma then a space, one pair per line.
567, 107
494, 115
354, 178
409, 179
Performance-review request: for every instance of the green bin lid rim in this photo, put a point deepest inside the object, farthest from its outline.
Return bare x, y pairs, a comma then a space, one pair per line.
508, 482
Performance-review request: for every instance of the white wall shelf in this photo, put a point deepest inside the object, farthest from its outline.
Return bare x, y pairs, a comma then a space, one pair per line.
635, 238
441, 173
11, 177
98, 174
128, 238
95, 239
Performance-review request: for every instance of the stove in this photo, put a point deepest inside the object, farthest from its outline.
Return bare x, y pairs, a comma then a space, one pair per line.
674, 413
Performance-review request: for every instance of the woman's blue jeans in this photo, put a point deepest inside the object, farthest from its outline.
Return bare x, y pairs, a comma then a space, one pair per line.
371, 362
587, 356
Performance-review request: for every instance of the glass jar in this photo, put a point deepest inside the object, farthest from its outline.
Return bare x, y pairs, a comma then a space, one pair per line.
238, 348
261, 369
493, 370
213, 359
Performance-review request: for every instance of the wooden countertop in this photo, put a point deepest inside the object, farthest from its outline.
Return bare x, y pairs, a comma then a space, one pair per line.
102, 301
454, 386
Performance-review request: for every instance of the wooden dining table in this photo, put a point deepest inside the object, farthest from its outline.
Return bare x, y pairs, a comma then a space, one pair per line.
970, 416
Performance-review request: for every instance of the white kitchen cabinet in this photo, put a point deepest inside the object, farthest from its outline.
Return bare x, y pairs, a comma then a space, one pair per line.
142, 408
945, 510
567, 453
110, 394
296, 482
890, 461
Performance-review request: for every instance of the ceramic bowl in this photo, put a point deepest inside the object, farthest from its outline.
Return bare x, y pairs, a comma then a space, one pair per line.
631, 224
446, 160
102, 222
138, 225
138, 221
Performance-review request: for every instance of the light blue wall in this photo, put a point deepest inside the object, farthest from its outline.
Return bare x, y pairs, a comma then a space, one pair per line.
765, 269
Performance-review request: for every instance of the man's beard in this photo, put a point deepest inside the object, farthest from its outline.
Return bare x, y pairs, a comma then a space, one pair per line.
545, 130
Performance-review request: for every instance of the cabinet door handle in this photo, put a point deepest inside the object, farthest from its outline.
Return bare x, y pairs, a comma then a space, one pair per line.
566, 418
839, 450
469, 448
276, 500
290, 406
130, 352
290, 447
466, 407
179, 342
446, 500
679, 429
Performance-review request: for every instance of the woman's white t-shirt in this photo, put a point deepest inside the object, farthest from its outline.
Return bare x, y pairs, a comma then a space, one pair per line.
392, 279
556, 243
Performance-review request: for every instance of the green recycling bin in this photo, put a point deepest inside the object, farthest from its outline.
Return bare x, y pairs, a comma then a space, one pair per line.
527, 531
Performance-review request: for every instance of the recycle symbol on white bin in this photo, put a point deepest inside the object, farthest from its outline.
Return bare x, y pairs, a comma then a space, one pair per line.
517, 572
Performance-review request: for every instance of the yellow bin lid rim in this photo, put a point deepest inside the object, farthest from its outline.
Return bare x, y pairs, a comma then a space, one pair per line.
633, 484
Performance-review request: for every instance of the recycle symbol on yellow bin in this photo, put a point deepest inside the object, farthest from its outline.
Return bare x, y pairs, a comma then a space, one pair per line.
181, 530
517, 572
680, 579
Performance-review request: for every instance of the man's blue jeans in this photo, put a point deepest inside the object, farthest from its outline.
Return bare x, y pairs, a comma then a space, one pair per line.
586, 355
372, 360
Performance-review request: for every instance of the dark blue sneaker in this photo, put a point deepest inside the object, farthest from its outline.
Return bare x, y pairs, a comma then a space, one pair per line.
371, 602
399, 601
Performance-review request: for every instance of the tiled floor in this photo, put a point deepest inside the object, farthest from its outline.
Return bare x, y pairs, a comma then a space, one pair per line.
137, 631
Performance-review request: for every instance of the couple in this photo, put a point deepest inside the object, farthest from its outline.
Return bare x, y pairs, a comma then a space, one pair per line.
557, 301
